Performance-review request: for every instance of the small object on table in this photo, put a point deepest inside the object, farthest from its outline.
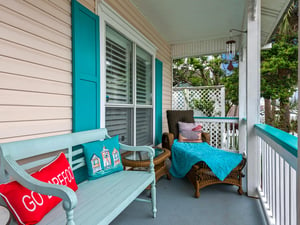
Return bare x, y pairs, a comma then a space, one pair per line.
5, 216
141, 161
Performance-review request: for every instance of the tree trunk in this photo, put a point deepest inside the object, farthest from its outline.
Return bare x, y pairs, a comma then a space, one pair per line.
273, 110
284, 112
284, 115
268, 112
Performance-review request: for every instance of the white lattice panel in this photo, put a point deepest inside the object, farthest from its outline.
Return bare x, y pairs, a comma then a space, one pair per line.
182, 98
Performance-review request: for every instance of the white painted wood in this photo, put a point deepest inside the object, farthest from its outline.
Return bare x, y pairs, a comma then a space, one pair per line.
253, 97
132, 15
286, 155
201, 47
278, 190
242, 102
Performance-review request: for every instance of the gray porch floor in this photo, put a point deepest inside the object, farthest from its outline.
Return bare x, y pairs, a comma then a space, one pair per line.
217, 205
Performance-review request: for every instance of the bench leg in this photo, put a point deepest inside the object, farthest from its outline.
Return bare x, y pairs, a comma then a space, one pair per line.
70, 217
153, 197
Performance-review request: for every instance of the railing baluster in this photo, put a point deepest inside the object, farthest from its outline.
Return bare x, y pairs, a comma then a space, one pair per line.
233, 136
222, 131
277, 189
286, 197
227, 136
273, 207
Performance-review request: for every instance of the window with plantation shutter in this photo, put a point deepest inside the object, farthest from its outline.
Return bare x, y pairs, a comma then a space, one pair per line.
144, 77
129, 74
118, 68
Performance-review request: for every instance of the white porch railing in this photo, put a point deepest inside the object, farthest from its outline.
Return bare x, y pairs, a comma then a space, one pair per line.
277, 191
223, 131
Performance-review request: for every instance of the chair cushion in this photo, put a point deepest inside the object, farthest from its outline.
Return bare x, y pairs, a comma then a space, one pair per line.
30, 207
102, 157
174, 116
189, 132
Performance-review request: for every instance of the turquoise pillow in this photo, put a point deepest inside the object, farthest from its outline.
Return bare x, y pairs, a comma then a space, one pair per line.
102, 157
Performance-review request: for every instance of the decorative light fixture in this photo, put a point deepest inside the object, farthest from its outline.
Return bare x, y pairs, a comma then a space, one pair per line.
231, 49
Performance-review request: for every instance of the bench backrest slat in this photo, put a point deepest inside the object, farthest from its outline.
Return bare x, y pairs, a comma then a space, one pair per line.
29, 148
22, 150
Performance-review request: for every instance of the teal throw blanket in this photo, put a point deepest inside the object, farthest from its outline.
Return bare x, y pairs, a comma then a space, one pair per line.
185, 155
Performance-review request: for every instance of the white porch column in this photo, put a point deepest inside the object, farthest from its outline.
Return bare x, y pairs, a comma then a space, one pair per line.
242, 105
253, 95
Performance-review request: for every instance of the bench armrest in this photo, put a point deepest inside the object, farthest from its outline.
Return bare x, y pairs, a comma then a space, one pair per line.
65, 193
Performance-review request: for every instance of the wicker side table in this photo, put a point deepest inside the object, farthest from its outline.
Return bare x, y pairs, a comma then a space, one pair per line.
141, 161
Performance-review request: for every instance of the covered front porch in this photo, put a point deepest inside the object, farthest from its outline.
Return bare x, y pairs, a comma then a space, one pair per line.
41, 96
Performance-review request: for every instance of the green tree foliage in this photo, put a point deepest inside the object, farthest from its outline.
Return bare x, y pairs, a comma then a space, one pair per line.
205, 71
279, 71
231, 84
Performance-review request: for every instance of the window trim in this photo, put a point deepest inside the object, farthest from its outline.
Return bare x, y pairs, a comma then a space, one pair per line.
109, 16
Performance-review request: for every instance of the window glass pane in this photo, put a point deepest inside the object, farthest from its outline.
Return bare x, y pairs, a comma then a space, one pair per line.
144, 127
118, 68
143, 77
119, 122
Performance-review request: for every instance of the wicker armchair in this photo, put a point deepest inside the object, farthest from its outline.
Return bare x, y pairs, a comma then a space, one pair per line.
200, 174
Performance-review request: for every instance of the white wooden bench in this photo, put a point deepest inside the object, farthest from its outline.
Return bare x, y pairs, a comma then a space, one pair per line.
96, 201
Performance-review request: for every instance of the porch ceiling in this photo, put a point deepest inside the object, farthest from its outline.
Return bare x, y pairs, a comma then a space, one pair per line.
185, 22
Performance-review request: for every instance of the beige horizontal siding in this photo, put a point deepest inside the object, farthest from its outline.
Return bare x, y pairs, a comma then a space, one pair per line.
90, 4
131, 14
35, 69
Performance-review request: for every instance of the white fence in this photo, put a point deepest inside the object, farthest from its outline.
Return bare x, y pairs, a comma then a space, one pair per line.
184, 98
278, 182
223, 131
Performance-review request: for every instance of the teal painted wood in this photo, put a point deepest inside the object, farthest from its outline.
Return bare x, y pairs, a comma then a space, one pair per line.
101, 200
284, 139
158, 100
96, 202
86, 73
86, 68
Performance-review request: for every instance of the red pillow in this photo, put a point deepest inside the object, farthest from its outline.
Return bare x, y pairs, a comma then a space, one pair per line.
30, 207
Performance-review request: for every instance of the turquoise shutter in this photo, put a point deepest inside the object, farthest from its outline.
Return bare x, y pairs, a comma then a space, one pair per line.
86, 73
158, 100
86, 68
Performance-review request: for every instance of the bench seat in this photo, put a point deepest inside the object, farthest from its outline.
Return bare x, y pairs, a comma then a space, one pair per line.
102, 199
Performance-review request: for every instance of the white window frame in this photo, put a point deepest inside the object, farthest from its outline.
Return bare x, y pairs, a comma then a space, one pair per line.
109, 16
